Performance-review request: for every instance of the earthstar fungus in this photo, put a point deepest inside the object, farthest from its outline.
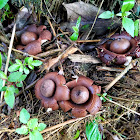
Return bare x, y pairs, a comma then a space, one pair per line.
33, 37
83, 97
50, 89
117, 49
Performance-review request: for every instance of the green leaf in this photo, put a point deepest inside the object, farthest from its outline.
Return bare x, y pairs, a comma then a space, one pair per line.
127, 5
31, 66
18, 62
3, 3
104, 94
2, 75
16, 90
9, 96
75, 29
32, 123
24, 116
74, 36
13, 77
21, 68
35, 135
26, 70
7, 7
22, 78
14, 67
1, 84
125, 14
136, 26
41, 126
36, 63
19, 84
106, 15
92, 131
0, 61
128, 25
77, 134
22, 130
4, 88
30, 60
26, 59
78, 22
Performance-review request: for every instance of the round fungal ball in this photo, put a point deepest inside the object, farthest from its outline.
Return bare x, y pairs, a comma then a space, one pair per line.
28, 37
120, 46
47, 88
79, 94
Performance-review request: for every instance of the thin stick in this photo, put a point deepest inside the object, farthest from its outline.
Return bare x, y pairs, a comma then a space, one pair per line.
130, 66
61, 125
47, 53
8, 57
35, 57
54, 33
83, 41
95, 20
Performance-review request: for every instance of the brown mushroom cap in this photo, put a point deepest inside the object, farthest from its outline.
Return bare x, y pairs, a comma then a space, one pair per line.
28, 37
45, 35
32, 28
109, 57
60, 93
47, 88
41, 28
20, 47
79, 94
92, 105
33, 48
120, 46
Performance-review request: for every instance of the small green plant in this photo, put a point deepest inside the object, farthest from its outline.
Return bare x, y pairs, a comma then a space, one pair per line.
30, 126
7, 13
75, 35
92, 131
102, 97
22, 67
19, 72
3, 3
132, 27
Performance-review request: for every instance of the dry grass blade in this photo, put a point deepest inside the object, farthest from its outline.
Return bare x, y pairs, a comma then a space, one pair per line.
95, 20
8, 57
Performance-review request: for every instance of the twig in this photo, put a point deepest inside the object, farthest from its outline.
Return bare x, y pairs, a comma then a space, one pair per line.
61, 125
50, 52
130, 66
83, 41
35, 57
54, 33
95, 19
8, 57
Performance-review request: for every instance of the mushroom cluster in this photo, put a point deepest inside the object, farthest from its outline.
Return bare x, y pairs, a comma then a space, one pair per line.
117, 49
78, 95
32, 39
